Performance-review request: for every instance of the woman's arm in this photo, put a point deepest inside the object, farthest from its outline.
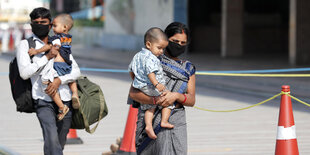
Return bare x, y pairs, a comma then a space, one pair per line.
187, 99
168, 98
140, 97
132, 75
191, 92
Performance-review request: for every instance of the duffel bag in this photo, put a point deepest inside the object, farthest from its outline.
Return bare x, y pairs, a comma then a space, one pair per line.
93, 106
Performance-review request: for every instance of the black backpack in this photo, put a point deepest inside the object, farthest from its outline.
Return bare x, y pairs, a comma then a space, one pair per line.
21, 89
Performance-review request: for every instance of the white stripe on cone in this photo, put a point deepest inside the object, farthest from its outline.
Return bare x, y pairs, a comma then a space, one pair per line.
286, 133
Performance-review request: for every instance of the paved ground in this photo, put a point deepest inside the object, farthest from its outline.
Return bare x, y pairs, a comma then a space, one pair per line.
249, 132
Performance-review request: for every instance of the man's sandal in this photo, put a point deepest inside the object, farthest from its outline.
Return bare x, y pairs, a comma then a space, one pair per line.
63, 112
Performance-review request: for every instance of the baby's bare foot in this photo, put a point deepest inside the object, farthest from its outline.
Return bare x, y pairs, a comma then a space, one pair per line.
150, 132
166, 125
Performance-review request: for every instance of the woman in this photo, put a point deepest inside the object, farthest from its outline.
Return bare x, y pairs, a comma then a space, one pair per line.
180, 78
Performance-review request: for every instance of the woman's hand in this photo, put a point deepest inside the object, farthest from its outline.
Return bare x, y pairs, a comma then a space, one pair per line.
167, 98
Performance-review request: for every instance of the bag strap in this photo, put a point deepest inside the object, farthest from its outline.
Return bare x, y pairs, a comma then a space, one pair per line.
31, 44
86, 123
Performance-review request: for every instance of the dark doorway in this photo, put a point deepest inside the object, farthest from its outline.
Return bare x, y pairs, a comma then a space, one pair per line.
204, 20
265, 28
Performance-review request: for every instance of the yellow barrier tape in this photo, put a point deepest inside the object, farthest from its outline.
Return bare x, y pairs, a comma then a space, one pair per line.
260, 103
254, 75
299, 100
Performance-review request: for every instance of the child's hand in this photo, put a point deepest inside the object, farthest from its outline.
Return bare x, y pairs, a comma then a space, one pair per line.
32, 52
160, 87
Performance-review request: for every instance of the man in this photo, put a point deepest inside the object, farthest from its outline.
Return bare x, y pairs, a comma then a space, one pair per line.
54, 132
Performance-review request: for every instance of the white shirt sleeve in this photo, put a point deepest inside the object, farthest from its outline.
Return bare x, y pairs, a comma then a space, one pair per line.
56, 42
75, 73
26, 68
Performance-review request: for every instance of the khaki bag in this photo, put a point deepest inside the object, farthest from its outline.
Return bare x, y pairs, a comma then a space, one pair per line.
93, 106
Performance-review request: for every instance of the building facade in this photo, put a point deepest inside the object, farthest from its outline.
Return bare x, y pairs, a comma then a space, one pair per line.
230, 28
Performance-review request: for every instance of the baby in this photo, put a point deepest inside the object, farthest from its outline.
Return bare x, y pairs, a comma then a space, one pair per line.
61, 64
147, 74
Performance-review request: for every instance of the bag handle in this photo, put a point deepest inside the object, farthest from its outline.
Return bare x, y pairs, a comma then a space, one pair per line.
86, 123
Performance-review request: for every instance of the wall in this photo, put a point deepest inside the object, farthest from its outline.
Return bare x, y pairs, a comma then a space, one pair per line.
87, 36
127, 20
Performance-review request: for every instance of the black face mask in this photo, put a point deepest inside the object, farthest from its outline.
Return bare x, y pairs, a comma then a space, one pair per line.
175, 49
40, 30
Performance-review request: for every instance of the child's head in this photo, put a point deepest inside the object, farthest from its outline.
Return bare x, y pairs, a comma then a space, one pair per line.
155, 40
62, 23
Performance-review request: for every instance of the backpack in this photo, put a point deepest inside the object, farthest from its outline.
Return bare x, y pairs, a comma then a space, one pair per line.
20, 88
93, 106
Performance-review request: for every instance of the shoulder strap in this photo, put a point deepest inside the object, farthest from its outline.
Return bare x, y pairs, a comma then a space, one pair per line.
31, 44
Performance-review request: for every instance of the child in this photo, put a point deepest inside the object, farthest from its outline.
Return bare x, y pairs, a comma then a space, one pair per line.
61, 64
147, 74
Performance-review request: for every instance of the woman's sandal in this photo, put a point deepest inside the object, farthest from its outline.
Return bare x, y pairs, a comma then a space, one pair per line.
63, 112
75, 102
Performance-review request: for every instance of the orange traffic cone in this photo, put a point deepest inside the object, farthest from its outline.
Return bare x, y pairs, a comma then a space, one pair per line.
286, 138
128, 145
11, 42
72, 137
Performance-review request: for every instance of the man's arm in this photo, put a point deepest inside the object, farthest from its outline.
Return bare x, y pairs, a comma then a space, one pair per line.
26, 68
75, 73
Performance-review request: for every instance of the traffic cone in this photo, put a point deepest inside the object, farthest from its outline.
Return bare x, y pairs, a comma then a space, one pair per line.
128, 145
72, 137
11, 42
286, 137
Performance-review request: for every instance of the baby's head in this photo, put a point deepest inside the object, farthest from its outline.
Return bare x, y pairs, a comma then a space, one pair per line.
62, 23
155, 40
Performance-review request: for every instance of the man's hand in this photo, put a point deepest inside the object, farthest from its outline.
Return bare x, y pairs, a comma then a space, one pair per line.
53, 52
52, 87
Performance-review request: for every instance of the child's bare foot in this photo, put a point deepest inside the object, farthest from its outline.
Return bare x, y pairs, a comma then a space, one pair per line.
166, 125
75, 101
150, 132
63, 112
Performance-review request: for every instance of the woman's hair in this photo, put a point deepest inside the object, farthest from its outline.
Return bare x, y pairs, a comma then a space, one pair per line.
40, 12
177, 27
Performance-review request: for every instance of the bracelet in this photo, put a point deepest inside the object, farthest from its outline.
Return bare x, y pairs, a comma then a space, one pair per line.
154, 101
184, 99
156, 84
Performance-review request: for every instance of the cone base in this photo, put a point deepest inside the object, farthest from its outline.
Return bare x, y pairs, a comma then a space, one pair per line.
287, 147
74, 141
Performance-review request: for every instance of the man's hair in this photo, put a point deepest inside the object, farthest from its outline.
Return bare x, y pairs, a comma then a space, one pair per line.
40, 12
154, 34
66, 19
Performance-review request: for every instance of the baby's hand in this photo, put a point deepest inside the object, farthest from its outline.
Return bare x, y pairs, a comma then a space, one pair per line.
160, 87
32, 52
